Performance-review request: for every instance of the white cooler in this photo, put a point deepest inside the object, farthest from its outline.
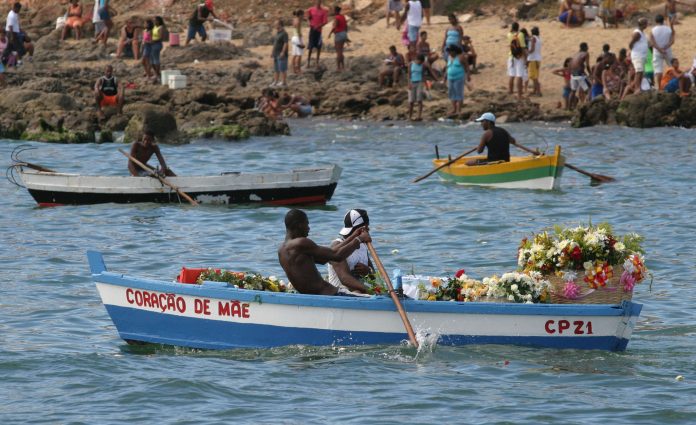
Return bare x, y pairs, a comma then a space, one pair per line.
220, 35
165, 75
177, 82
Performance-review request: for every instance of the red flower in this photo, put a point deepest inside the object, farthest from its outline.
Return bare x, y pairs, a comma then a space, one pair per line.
459, 273
576, 254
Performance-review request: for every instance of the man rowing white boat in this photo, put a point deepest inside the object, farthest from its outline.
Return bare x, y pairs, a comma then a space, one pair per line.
142, 150
298, 255
496, 139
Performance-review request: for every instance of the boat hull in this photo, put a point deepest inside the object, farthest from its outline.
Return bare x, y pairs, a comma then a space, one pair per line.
542, 172
214, 316
306, 187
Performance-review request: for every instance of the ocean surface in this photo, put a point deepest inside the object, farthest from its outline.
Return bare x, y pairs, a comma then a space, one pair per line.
62, 361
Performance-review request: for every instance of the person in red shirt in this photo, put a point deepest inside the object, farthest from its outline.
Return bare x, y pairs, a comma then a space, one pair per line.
340, 31
317, 17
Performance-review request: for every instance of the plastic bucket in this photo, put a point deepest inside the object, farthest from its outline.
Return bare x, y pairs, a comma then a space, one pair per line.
173, 39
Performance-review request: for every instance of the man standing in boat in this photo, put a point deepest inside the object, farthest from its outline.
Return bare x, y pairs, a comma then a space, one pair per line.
143, 150
496, 139
346, 274
298, 255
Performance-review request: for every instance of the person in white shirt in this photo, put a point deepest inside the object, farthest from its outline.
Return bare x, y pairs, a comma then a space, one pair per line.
662, 39
639, 54
18, 40
692, 72
413, 15
346, 275
534, 61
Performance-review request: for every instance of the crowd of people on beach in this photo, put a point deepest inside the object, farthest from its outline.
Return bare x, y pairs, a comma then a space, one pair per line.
646, 63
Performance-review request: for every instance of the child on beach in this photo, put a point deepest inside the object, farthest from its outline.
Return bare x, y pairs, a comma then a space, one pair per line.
296, 41
147, 48
416, 84
565, 73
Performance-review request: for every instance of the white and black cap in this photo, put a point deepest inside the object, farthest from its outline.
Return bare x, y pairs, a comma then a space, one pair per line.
354, 219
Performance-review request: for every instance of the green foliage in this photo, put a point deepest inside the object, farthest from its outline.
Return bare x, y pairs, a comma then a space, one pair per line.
228, 132
243, 280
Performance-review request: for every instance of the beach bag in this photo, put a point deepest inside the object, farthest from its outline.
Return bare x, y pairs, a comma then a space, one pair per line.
515, 48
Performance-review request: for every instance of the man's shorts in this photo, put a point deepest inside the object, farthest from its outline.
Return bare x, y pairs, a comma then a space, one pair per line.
196, 29
314, 39
597, 90
566, 92
672, 86
416, 93
533, 69
99, 27
108, 100
413, 33
516, 67
638, 63
395, 6
280, 64
659, 60
579, 82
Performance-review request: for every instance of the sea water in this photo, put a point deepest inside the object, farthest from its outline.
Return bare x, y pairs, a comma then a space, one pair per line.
61, 360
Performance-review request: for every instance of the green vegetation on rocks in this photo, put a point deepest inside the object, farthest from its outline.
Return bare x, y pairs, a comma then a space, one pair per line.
65, 136
227, 131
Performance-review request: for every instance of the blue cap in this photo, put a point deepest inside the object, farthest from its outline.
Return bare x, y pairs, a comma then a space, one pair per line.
486, 117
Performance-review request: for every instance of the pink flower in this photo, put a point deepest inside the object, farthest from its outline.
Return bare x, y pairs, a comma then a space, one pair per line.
459, 273
628, 281
571, 290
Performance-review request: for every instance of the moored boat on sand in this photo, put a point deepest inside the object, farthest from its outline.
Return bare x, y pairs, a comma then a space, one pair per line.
313, 186
213, 315
522, 172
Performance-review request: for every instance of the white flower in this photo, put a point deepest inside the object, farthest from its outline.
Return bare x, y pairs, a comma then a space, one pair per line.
511, 298
527, 297
587, 265
272, 278
514, 287
619, 246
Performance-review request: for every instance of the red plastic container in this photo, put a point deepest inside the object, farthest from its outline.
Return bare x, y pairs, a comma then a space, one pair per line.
190, 275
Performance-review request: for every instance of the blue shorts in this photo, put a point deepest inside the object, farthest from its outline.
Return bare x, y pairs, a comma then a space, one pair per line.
155, 50
280, 64
413, 33
566, 92
341, 37
455, 89
597, 90
564, 17
672, 86
196, 29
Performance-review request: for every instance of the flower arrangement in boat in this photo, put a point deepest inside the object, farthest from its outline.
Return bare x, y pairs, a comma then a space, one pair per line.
244, 280
511, 287
573, 248
518, 287
375, 284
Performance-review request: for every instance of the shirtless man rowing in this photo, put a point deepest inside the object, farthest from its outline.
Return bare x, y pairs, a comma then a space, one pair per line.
298, 255
143, 150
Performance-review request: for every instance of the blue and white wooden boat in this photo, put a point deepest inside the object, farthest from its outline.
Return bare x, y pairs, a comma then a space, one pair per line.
215, 316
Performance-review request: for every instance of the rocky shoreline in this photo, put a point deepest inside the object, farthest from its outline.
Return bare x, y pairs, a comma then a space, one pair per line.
51, 98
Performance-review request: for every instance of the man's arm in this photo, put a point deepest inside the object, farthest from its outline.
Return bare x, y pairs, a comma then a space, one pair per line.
97, 84
345, 276
405, 15
160, 158
484, 139
131, 164
634, 40
323, 254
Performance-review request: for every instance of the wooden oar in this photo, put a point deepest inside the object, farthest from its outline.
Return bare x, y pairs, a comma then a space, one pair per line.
160, 178
596, 177
443, 165
395, 298
35, 167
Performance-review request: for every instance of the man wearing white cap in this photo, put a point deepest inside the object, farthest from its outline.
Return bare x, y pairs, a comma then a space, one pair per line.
496, 139
346, 274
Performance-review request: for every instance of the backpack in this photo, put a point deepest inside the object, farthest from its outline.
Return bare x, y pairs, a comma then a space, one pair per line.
515, 48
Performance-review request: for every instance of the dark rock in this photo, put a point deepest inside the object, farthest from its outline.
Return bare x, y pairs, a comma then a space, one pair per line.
258, 35
593, 113
153, 118
649, 110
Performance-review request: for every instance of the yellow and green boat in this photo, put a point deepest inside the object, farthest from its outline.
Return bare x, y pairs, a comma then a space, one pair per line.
522, 172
